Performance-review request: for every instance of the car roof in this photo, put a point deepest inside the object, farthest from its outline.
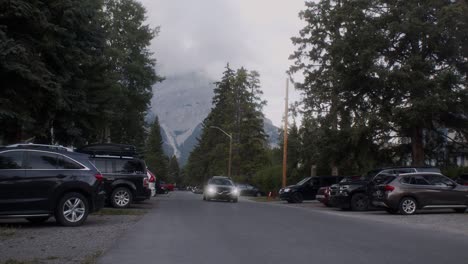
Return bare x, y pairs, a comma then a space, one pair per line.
418, 173
45, 148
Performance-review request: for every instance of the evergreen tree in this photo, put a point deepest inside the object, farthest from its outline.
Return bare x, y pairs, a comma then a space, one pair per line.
174, 171
132, 67
238, 111
154, 155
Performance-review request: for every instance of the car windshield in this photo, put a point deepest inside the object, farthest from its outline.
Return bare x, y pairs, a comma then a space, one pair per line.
224, 182
303, 181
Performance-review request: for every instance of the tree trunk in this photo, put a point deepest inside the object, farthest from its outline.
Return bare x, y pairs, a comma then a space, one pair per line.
417, 146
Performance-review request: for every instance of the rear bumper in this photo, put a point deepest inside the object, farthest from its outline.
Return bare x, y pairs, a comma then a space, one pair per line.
144, 195
99, 201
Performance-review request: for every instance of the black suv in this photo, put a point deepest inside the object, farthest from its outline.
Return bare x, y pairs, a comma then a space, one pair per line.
307, 188
40, 181
354, 194
125, 178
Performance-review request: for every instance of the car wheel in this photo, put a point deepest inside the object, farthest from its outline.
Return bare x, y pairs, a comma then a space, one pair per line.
121, 197
38, 220
391, 210
297, 197
72, 209
408, 206
258, 194
290, 201
234, 200
359, 202
460, 210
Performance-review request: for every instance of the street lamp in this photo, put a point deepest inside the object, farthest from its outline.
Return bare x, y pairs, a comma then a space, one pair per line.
230, 148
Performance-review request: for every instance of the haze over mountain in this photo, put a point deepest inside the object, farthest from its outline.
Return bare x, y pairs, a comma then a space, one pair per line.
182, 102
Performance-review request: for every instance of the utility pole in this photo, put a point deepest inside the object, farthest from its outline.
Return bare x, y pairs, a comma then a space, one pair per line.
230, 148
285, 135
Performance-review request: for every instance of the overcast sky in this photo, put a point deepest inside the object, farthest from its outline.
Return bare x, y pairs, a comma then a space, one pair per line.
204, 35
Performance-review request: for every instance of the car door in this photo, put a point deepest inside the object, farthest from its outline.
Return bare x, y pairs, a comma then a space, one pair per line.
12, 174
43, 175
449, 193
311, 188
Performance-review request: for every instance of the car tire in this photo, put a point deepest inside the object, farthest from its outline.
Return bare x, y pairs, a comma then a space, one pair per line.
72, 209
121, 197
258, 194
38, 220
408, 206
460, 210
297, 197
290, 201
359, 202
235, 200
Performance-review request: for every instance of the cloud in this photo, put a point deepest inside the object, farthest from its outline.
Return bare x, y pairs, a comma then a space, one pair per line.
205, 35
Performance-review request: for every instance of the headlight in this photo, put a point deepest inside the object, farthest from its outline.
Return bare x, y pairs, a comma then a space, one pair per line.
211, 190
235, 191
287, 190
343, 188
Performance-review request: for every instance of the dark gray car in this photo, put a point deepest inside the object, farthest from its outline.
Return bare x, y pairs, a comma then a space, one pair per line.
406, 193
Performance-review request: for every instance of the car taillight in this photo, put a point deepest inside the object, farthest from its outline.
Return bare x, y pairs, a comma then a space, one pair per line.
389, 188
145, 182
99, 177
152, 179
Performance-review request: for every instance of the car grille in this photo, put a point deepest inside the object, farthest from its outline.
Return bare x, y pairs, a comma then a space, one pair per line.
223, 190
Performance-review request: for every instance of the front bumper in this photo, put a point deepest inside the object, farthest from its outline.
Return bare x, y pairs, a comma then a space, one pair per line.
285, 195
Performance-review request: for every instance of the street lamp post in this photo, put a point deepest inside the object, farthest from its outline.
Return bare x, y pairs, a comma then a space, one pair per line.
230, 148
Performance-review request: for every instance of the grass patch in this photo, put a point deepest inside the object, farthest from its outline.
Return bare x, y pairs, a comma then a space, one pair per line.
263, 199
92, 259
114, 211
7, 232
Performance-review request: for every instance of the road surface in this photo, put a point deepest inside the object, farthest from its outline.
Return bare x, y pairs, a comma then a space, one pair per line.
184, 229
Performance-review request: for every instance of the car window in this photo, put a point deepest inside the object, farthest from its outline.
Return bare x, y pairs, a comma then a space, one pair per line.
225, 182
383, 179
42, 161
11, 160
128, 166
418, 180
315, 182
68, 164
104, 166
438, 180
303, 181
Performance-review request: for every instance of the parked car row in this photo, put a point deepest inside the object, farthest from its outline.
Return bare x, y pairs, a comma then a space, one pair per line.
41, 181
401, 190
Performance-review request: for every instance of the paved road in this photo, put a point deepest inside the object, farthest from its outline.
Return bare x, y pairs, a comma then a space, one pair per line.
184, 229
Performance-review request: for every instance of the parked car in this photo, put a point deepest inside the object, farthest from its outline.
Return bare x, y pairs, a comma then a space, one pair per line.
221, 188
40, 181
406, 193
463, 179
197, 190
307, 188
125, 177
323, 196
249, 190
151, 182
169, 187
353, 193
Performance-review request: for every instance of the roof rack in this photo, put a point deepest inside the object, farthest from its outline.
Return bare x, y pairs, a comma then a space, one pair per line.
40, 146
109, 149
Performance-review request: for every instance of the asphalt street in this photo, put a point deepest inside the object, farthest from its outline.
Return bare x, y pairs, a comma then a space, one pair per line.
184, 229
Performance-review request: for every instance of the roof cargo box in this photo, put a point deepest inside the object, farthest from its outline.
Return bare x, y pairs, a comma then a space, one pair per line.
109, 149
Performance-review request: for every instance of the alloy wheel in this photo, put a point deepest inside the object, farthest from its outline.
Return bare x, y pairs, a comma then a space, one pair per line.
74, 209
408, 206
122, 198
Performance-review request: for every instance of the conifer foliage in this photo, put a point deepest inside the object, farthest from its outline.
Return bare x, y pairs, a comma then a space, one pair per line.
237, 109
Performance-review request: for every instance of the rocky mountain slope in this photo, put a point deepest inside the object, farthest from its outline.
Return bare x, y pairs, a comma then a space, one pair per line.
182, 103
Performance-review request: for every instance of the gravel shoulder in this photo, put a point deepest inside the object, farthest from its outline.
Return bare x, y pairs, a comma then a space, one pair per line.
442, 220
24, 243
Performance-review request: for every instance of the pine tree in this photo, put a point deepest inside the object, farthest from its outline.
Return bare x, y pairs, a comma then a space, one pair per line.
238, 111
174, 171
154, 155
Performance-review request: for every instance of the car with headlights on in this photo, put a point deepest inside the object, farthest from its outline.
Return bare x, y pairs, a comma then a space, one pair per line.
221, 188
